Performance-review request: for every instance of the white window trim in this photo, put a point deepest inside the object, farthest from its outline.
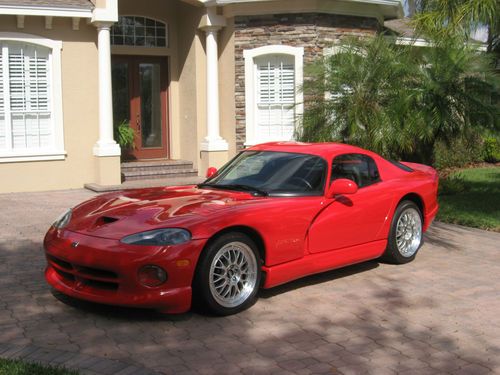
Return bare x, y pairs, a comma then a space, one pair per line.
58, 153
250, 91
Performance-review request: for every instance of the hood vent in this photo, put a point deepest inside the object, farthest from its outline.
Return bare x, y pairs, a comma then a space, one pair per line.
103, 220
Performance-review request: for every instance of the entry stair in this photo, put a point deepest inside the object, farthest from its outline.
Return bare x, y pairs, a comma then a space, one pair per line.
152, 173
157, 168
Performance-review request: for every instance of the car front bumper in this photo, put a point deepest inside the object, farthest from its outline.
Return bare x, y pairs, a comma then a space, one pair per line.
106, 271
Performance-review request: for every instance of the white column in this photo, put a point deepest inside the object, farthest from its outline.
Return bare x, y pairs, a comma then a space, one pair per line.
105, 146
213, 141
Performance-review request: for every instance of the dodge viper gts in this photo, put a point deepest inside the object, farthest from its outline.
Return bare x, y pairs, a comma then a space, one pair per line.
274, 213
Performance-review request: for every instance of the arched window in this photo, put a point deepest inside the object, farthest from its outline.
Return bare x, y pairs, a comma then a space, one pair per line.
272, 100
30, 98
139, 31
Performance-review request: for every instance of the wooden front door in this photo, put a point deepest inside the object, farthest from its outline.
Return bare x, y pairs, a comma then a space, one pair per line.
140, 86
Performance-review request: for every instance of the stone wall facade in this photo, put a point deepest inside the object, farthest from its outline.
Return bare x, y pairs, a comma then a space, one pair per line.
313, 31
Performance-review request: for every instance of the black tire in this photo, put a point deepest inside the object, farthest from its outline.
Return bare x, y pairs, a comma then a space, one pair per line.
395, 254
208, 293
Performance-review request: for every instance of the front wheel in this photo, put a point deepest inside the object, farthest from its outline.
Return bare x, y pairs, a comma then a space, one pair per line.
405, 236
228, 274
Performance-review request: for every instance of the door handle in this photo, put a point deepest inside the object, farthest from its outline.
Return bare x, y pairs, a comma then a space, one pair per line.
138, 122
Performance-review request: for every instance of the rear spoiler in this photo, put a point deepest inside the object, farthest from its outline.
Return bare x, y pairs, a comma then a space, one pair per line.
422, 168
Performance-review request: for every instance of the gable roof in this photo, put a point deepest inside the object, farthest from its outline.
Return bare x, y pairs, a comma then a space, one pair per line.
401, 27
64, 4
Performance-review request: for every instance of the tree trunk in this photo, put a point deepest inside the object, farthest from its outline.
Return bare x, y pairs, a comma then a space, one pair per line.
411, 7
490, 38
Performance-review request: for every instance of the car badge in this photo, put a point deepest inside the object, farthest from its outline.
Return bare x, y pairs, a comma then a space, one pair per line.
75, 244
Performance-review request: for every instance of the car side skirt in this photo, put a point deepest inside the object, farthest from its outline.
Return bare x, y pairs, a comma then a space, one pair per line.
320, 262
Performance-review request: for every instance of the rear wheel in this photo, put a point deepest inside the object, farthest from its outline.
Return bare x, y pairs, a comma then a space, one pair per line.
405, 237
228, 274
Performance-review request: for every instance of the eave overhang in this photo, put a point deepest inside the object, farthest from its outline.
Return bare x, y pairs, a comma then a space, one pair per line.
382, 9
45, 11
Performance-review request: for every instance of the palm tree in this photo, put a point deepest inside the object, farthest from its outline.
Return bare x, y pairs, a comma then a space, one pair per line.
397, 100
455, 95
438, 18
361, 95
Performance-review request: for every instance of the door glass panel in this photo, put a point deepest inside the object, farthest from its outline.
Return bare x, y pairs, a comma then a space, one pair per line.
150, 86
356, 167
121, 96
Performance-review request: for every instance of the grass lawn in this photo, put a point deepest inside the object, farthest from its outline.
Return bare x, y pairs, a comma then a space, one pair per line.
16, 367
471, 197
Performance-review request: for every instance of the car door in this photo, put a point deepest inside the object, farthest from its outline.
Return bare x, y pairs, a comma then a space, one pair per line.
353, 219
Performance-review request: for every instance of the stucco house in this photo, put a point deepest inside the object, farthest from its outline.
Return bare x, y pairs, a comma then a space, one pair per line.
197, 80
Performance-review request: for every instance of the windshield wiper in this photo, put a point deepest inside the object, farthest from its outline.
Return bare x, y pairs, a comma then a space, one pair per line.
248, 188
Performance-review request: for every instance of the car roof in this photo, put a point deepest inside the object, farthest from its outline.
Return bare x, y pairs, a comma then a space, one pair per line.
326, 149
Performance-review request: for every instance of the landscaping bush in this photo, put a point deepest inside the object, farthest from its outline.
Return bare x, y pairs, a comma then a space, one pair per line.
491, 150
459, 153
452, 184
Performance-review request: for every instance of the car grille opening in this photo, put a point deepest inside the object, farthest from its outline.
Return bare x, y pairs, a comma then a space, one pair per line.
100, 284
60, 262
65, 275
74, 274
96, 272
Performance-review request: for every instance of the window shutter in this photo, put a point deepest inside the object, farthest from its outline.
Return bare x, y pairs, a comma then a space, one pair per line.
29, 97
275, 97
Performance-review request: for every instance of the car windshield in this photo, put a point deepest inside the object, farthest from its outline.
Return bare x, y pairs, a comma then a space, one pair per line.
272, 173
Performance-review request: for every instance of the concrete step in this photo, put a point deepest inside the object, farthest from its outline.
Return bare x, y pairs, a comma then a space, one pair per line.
156, 164
158, 173
157, 169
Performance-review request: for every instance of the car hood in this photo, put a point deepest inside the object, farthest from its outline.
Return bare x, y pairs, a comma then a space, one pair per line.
120, 214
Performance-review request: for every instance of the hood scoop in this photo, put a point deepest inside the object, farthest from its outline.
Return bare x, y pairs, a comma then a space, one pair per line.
104, 220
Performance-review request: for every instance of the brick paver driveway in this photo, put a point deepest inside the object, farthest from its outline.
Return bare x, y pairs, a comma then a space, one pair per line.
438, 314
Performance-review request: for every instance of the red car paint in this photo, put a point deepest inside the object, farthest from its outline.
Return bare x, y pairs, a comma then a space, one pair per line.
299, 235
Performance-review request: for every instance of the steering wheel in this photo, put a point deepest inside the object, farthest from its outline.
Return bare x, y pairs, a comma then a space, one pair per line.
302, 182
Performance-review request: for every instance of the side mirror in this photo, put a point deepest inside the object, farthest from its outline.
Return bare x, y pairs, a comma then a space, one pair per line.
211, 172
341, 186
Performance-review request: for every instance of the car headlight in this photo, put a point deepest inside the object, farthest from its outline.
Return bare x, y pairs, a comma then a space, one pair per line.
159, 237
63, 220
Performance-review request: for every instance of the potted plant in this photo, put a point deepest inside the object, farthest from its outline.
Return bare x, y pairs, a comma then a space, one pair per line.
124, 136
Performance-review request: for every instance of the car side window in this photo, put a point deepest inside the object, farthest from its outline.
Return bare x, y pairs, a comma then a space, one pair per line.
356, 167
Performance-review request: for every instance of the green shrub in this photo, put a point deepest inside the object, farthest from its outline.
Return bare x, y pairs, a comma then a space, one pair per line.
491, 150
18, 367
452, 184
459, 153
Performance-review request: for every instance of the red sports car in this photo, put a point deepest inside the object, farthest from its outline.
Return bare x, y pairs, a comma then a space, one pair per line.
275, 213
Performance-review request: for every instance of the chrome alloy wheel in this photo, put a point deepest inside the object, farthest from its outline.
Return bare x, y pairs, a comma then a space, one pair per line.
233, 274
409, 232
